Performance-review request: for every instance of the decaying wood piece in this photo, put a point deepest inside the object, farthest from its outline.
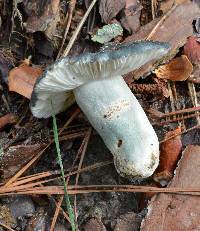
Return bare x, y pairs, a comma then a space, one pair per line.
175, 29
177, 212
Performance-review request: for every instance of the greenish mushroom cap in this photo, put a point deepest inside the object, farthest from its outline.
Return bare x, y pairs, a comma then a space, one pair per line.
54, 88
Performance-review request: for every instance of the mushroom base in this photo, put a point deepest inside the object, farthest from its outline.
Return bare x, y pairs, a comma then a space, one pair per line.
117, 116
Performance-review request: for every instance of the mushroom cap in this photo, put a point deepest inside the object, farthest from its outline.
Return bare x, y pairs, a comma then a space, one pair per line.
53, 90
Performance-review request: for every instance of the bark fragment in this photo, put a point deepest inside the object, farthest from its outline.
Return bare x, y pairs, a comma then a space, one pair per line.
177, 212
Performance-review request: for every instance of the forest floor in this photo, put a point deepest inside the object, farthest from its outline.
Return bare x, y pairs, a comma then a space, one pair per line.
35, 34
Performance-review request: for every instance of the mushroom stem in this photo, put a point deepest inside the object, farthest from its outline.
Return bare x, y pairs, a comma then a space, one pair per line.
115, 113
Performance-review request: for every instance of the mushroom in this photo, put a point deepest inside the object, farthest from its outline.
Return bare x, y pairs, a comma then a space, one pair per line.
101, 92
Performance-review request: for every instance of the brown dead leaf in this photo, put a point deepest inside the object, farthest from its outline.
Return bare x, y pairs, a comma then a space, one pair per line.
15, 157
131, 19
175, 28
169, 155
154, 113
178, 69
192, 50
42, 221
42, 16
22, 79
7, 119
94, 224
165, 6
126, 222
108, 9
167, 212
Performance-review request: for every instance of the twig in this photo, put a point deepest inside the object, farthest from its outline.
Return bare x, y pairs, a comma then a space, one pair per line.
6, 226
24, 181
175, 119
75, 34
84, 147
6, 102
15, 13
85, 189
58, 206
153, 9
69, 19
171, 96
61, 210
178, 134
193, 96
160, 22
21, 186
32, 161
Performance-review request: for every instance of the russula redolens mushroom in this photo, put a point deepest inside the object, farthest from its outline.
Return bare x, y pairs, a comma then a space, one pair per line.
102, 94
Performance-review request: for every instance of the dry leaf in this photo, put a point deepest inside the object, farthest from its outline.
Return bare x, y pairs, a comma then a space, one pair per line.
178, 69
175, 29
94, 224
42, 16
192, 50
167, 212
7, 119
22, 79
165, 6
17, 156
41, 220
131, 19
154, 113
108, 9
127, 222
169, 155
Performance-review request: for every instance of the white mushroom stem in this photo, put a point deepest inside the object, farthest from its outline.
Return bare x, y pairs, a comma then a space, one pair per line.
117, 116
